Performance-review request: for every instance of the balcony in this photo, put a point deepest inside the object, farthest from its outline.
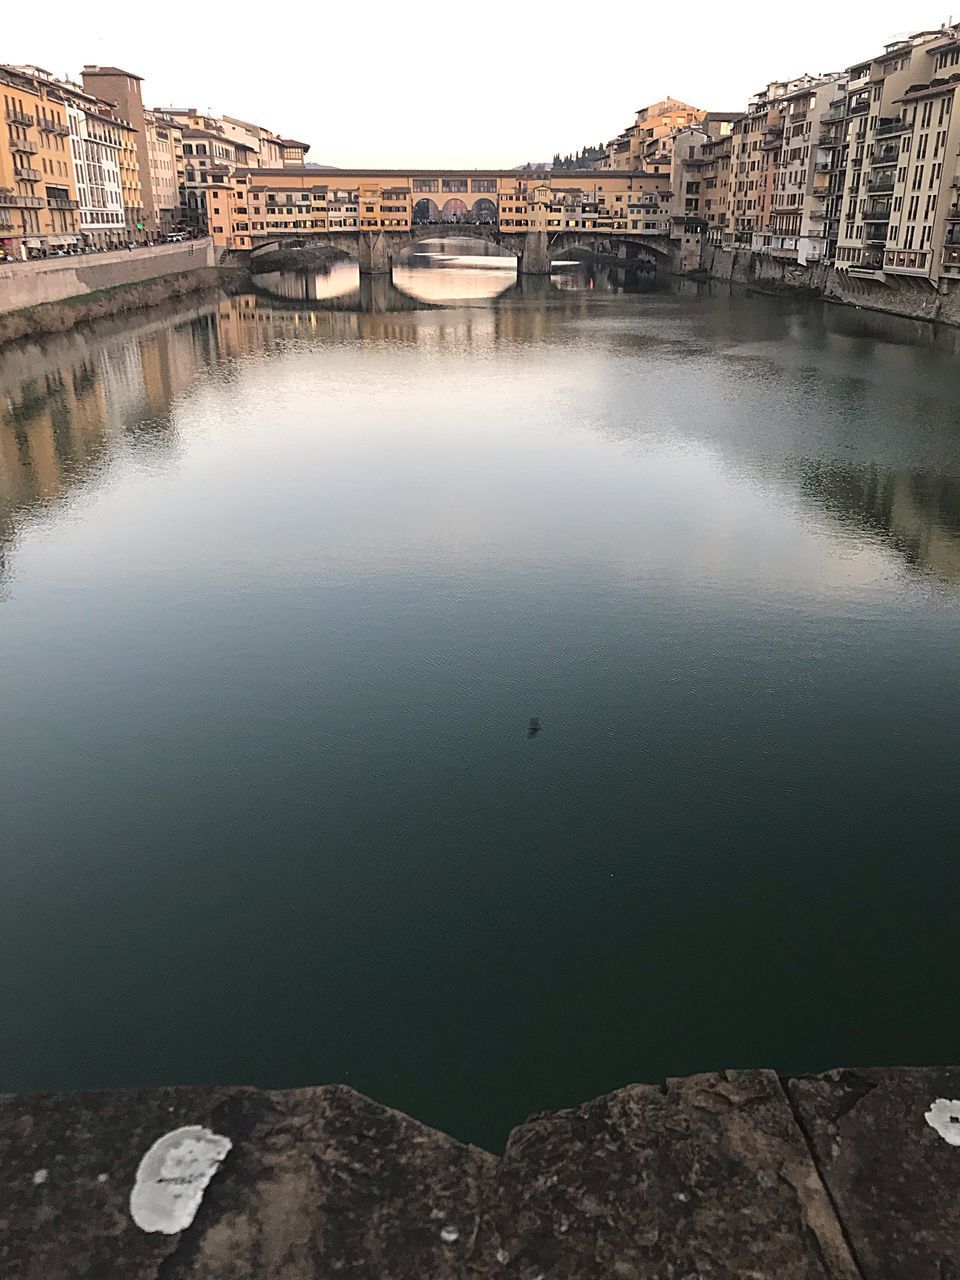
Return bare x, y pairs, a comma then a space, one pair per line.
876, 232
953, 213
859, 108
887, 128
13, 199
878, 185
26, 175
23, 146
19, 117
62, 202
52, 126
884, 156
949, 261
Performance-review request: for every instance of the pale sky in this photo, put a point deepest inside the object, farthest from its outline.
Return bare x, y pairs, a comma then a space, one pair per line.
381, 85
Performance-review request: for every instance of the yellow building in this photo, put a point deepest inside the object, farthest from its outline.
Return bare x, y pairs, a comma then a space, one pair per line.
647, 143
257, 205
38, 189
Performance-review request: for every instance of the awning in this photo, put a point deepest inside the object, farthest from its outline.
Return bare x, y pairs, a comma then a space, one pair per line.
31, 244
55, 240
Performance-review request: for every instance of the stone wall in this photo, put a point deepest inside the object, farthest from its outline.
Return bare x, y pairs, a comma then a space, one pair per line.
896, 295
849, 1175
28, 284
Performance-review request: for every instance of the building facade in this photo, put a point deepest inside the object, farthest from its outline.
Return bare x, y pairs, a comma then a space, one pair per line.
122, 90
647, 143
258, 205
38, 185
96, 143
215, 147
165, 158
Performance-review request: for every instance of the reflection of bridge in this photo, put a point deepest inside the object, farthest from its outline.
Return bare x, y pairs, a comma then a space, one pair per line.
376, 251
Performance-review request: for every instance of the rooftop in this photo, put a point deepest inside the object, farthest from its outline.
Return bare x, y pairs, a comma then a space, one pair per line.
110, 71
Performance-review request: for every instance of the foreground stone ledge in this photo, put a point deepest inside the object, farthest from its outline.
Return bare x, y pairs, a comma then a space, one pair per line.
737, 1174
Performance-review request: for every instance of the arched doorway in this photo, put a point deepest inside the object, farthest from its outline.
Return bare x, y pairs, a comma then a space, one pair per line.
454, 210
484, 211
426, 210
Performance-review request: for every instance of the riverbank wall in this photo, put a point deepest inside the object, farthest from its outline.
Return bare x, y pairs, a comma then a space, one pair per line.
55, 294
848, 1175
895, 295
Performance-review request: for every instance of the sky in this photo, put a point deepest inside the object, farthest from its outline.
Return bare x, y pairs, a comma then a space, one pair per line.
382, 85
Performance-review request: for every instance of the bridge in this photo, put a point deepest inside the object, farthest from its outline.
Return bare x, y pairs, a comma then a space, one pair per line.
376, 251
374, 215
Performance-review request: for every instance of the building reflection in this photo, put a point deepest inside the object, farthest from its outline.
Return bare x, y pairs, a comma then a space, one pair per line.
73, 404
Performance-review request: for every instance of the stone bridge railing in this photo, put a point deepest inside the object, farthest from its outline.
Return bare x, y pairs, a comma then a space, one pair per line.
850, 1175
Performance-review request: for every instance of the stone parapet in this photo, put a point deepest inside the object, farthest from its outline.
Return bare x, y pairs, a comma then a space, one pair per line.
29, 284
849, 1175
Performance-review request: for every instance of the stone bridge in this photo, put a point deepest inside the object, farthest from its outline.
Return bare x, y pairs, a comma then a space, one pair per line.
376, 251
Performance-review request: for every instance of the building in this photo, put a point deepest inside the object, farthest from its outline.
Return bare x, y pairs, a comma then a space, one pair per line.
647, 143
165, 158
796, 230
923, 231
757, 142
898, 170
122, 90
96, 140
38, 184
214, 147
256, 205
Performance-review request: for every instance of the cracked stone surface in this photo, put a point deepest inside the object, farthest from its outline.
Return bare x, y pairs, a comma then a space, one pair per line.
893, 1179
708, 1178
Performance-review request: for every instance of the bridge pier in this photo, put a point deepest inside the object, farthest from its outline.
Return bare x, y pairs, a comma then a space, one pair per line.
375, 253
534, 257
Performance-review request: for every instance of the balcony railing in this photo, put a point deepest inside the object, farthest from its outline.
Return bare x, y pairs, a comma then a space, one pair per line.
23, 146
19, 117
859, 108
26, 175
13, 199
876, 233
885, 156
953, 213
62, 202
876, 185
46, 125
886, 128
879, 213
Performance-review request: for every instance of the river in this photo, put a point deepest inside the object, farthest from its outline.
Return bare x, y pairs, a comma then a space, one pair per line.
284, 578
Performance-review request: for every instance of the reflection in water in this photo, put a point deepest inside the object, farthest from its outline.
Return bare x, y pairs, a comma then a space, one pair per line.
284, 577
70, 402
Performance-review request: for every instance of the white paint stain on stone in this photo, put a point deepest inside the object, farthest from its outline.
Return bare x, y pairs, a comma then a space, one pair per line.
449, 1234
944, 1116
173, 1176
40, 1177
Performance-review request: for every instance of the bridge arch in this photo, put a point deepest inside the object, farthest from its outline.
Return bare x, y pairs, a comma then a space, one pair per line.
426, 210
454, 210
485, 210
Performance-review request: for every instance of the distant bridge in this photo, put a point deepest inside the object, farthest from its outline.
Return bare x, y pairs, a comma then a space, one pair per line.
376, 251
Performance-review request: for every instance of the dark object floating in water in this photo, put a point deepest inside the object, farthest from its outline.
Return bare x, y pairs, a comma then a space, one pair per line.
534, 727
